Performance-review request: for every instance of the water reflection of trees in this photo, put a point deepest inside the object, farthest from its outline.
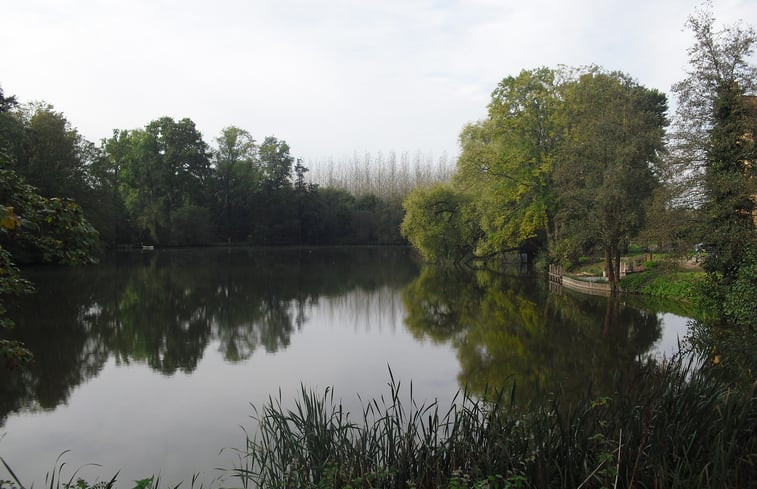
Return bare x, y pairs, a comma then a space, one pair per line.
509, 329
164, 309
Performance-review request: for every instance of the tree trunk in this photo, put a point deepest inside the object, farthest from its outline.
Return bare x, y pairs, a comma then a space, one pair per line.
609, 269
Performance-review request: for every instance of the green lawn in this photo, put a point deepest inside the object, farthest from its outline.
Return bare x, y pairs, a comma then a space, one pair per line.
662, 277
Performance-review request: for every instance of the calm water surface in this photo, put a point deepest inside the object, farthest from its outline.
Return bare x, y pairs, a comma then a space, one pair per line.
148, 363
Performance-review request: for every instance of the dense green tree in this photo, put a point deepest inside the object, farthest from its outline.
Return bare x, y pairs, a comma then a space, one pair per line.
11, 129
729, 185
160, 185
11, 284
43, 148
716, 127
52, 155
328, 217
182, 157
276, 219
164, 171
440, 222
719, 62
38, 229
276, 162
614, 130
133, 161
108, 178
507, 161
669, 225
238, 176
564, 161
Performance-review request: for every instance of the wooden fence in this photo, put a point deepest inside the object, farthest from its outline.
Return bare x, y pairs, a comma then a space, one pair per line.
593, 287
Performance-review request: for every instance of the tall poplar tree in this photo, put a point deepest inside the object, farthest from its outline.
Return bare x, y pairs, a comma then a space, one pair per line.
715, 135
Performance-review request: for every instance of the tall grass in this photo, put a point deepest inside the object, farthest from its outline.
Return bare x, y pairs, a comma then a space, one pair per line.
58, 478
389, 177
675, 426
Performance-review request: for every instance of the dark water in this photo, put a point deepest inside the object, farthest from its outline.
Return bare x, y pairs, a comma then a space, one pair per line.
148, 362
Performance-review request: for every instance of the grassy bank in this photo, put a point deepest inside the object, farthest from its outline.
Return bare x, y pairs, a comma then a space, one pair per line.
665, 280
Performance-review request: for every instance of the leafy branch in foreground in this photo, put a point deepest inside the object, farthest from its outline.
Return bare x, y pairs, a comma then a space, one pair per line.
34, 228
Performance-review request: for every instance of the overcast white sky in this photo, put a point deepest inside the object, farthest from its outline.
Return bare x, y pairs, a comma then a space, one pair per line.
331, 77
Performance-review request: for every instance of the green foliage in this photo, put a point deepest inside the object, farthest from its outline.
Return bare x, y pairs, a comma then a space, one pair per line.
50, 154
669, 226
729, 332
12, 353
728, 349
191, 225
507, 161
236, 176
671, 426
605, 130
666, 282
715, 136
740, 304
462, 480
614, 132
156, 185
276, 162
253, 194
439, 223
163, 168
35, 228
729, 186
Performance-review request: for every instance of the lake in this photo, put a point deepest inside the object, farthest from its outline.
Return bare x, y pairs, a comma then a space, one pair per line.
148, 363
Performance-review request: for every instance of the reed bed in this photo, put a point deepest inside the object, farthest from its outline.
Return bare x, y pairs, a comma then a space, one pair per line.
674, 426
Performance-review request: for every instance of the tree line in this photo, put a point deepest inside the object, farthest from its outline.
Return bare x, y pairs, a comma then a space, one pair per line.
64, 198
162, 184
571, 162
389, 176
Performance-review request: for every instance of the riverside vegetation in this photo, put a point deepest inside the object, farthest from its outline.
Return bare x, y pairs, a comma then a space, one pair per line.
673, 426
568, 162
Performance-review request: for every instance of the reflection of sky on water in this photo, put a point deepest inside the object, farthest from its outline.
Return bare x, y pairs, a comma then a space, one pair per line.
130, 388
131, 419
674, 329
